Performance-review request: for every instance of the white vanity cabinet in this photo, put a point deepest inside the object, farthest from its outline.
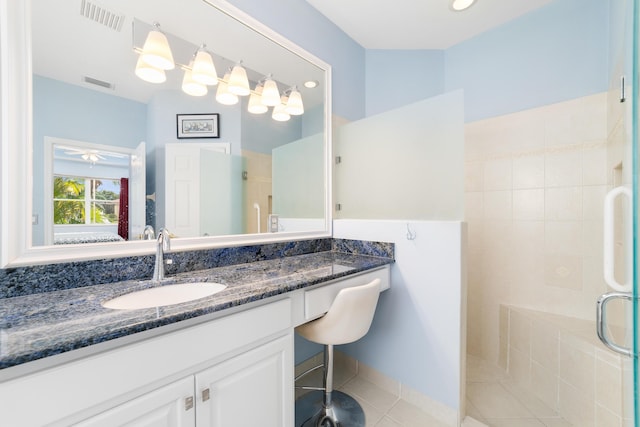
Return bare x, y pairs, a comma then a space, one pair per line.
248, 390
170, 405
244, 359
251, 389
232, 370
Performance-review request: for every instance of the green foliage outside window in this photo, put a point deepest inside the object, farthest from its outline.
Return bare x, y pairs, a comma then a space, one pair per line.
73, 195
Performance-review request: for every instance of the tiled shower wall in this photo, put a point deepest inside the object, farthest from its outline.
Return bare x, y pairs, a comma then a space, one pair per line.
534, 187
560, 360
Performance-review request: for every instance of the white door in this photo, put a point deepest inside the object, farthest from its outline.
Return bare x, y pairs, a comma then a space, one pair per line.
169, 406
183, 186
253, 389
137, 192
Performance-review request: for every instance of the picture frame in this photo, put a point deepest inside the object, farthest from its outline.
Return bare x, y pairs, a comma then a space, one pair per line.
198, 125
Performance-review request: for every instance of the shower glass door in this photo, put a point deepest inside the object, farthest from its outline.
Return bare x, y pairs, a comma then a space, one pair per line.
618, 308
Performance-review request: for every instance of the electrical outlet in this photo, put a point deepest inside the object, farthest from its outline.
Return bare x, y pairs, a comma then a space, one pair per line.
273, 223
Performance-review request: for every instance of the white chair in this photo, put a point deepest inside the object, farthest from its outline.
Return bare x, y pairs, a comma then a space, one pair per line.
348, 319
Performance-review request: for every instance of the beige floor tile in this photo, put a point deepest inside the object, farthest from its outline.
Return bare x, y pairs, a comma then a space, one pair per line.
411, 416
494, 401
473, 412
536, 406
515, 422
479, 370
386, 422
369, 393
372, 415
555, 422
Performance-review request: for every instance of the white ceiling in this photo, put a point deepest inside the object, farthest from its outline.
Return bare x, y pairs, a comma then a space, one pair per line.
418, 24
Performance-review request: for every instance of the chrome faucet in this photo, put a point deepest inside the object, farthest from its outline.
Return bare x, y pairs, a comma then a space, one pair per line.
163, 244
148, 233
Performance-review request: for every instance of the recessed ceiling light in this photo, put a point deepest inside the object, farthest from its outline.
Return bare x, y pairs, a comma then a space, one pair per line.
311, 84
460, 5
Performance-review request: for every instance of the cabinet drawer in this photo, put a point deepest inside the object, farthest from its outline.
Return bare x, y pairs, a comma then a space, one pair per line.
317, 301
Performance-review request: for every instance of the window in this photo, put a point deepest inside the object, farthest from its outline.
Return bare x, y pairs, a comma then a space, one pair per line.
84, 200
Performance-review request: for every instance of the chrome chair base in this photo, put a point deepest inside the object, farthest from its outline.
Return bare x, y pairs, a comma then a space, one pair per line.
344, 411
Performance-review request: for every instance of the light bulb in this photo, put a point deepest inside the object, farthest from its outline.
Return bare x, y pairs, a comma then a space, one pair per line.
203, 70
238, 81
149, 73
156, 51
270, 93
255, 101
223, 96
294, 103
279, 114
460, 5
192, 87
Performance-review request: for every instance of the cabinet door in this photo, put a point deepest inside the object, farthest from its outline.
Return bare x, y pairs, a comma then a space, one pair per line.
252, 389
170, 406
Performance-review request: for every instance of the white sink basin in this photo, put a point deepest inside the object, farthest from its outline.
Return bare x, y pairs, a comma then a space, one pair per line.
164, 295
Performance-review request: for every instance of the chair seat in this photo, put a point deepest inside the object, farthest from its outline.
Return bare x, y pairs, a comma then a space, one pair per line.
349, 317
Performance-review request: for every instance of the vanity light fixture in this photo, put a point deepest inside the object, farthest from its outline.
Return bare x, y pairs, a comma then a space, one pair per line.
294, 104
149, 73
460, 5
190, 86
223, 96
279, 113
203, 70
238, 82
255, 101
270, 92
156, 51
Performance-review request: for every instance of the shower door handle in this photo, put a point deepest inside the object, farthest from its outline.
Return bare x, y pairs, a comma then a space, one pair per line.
609, 239
601, 307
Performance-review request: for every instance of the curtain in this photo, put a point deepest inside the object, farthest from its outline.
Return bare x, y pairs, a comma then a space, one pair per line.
123, 215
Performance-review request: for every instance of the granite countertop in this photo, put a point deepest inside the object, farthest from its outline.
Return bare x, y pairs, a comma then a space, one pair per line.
36, 326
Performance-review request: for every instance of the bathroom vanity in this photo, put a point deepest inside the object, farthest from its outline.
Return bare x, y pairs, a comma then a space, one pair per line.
222, 360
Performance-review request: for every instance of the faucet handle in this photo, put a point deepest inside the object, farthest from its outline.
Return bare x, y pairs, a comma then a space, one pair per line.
165, 236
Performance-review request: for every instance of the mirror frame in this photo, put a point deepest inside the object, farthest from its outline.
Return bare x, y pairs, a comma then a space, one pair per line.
16, 174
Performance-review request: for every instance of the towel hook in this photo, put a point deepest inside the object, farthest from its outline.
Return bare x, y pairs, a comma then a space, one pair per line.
411, 235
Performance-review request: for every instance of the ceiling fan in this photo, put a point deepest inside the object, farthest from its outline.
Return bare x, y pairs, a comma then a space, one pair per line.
91, 155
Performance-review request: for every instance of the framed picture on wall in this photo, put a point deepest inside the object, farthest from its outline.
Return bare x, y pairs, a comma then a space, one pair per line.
198, 125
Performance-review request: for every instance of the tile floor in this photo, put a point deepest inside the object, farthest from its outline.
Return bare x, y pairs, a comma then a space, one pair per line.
381, 407
493, 399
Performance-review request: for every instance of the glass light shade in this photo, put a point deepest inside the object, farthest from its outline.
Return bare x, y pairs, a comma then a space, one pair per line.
255, 102
279, 114
192, 87
294, 104
270, 93
223, 96
459, 5
238, 81
156, 51
203, 70
149, 73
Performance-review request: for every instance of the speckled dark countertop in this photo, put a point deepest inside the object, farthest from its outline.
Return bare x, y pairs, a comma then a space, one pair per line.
36, 326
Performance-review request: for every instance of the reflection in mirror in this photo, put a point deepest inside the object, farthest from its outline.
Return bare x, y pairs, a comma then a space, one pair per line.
255, 175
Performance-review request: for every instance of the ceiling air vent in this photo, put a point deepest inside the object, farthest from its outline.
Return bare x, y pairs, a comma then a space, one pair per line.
99, 14
97, 82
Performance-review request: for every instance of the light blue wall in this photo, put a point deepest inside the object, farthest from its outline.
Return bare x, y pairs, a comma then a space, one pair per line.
262, 134
88, 116
553, 54
298, 21
399, 77
161, 128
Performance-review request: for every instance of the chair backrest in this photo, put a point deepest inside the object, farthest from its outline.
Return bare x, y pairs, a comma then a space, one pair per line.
350, 315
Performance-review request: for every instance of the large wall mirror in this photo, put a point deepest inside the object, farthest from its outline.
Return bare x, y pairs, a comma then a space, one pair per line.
122, 146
